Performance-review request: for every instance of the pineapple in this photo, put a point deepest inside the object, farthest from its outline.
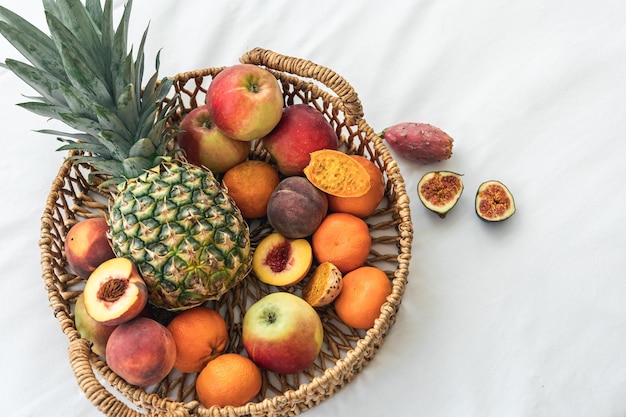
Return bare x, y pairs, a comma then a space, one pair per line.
171, 218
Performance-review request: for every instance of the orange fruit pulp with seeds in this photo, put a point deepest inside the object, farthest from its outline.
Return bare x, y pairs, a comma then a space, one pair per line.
230, 379
342, 239
323, 286
200, 334
364, 205
250, 184
364, 291
336, 173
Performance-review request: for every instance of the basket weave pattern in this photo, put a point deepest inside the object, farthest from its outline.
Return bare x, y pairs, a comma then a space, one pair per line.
345, 350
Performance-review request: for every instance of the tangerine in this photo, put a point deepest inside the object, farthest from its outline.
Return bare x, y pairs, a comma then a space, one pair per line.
201, 334
364, 292
342, 239
250, 184
361, 206
230, 379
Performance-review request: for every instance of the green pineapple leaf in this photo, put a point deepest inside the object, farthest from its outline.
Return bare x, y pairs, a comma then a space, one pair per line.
39, 80
128, 107
64, 38
109, 120
83, 77
135, 166
94, 9
81, 124
117, 145
74, 16
31, 42
77, 101
93, 148
49, 111
142, 148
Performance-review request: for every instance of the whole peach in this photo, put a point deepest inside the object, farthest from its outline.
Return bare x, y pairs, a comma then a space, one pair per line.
296, 208
141, 351
87, 246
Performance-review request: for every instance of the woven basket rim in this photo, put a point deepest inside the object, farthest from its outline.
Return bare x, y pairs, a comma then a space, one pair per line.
82, 359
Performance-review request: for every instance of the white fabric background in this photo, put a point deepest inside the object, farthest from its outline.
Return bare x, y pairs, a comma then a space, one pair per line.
523, 318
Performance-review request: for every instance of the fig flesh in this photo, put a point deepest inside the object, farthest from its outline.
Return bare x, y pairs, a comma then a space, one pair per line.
439, 191
494, 201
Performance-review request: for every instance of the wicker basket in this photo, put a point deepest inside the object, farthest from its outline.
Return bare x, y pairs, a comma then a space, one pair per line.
345, 350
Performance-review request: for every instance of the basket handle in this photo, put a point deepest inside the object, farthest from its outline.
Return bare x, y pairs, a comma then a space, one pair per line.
352, 105
79, 351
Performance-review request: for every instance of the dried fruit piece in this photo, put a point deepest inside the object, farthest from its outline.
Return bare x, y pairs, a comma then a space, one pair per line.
323, 286
336, 173
494, 201
439, 191
419, 141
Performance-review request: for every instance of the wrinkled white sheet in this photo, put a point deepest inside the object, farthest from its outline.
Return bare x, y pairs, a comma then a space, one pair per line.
523, 318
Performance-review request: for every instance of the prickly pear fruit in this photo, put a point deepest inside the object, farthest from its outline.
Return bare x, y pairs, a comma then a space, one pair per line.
419, 141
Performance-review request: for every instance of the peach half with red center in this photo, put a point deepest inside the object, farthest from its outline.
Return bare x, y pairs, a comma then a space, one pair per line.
281, 261
115, 292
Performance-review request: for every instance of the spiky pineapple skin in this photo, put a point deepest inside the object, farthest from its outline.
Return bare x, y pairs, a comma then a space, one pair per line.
184, 233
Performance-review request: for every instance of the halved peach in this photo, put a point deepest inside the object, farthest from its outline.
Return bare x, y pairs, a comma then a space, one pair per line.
115, 292
280, 261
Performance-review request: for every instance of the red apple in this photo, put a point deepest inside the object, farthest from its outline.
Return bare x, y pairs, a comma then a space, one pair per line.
245, 101
302, 129
205, 145
282, 333
115, 292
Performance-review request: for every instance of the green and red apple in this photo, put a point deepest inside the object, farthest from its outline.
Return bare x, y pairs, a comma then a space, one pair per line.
205, 145
301, 130
115, 292
245, 101
282, 333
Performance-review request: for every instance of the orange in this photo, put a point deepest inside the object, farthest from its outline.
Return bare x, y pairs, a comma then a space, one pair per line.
342, 239
362, 206
364, 292
201, 334
336, 173
250, 184
230, 379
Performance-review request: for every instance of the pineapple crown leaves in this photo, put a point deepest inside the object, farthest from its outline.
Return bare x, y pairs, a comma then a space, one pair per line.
86, 78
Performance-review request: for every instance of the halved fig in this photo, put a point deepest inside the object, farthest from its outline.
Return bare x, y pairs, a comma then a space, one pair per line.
494, 201
439, 191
